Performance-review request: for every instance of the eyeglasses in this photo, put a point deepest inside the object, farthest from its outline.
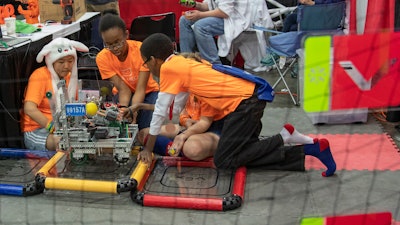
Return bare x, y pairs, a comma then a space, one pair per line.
145, 62
117, 45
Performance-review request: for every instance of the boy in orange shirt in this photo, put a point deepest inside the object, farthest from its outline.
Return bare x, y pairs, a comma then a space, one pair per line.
61, 64
242, 104
120, 62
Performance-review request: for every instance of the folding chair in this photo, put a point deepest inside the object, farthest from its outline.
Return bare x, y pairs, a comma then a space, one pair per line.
278, 10
87, 67
250, 42
144, 26
285, 45
316, 19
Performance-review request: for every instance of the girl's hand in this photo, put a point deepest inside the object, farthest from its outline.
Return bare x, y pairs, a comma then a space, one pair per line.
129, 113
178, 143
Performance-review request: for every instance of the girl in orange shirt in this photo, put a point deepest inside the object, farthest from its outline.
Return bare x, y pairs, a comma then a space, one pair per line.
120, 62
61, 64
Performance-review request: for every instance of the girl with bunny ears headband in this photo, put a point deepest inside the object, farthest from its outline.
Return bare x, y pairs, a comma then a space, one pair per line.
57, 49
61, 64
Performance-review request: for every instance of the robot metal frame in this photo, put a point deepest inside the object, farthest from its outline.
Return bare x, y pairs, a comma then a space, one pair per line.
79, 139
83, 133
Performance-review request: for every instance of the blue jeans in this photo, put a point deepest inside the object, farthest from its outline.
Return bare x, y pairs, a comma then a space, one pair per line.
201, 35
143, 118
290, 23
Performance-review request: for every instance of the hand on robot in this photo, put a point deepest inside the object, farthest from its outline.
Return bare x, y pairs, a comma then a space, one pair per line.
130, 113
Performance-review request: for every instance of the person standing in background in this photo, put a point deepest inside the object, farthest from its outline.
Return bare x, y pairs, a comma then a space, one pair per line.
101, 6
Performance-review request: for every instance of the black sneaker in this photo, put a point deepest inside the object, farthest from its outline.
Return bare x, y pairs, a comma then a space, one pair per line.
225, 61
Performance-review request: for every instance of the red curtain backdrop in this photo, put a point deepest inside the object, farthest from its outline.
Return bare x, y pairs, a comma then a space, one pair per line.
131, 9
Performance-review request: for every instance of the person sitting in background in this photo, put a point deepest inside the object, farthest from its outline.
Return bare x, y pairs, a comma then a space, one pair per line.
199, 26
290, 22
61, 64
226, 20
120, 62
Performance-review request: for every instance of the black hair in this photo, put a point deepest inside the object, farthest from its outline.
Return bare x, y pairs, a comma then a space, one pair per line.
111, 20
157, 45
110, 11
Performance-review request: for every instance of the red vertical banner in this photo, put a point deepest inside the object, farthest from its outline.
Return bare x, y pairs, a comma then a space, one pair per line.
352, 16
366, 71
380, 16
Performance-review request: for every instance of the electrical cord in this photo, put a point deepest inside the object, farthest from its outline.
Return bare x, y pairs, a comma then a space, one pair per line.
23, 62
8, 112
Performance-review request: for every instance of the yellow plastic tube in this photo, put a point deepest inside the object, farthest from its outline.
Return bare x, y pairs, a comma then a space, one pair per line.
50, 164
139, 172
81, 185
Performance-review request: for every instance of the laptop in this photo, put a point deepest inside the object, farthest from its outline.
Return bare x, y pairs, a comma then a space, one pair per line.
7, 42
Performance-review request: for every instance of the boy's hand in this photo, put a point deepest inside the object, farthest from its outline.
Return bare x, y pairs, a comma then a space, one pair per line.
146, 156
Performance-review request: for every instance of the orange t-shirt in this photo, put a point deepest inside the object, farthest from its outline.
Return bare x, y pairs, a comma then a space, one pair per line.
194, 109
220, 91
38, 85
128, 70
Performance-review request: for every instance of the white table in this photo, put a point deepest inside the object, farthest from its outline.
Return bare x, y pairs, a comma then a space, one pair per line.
55, 29
61, 30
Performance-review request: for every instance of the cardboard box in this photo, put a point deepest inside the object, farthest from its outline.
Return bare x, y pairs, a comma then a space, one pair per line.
52, 10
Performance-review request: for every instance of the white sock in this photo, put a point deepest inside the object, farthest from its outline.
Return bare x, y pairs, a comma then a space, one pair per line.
291, 136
